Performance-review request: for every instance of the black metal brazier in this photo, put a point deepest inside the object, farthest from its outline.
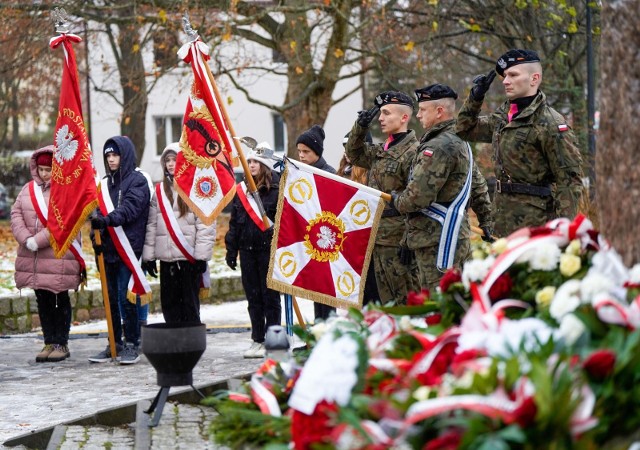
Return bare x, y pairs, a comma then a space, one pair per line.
173, 350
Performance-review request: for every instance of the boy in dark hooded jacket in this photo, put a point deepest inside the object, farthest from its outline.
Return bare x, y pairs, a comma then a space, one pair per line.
129, 193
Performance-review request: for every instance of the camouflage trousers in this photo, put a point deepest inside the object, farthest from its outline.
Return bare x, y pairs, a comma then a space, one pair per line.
393, 278
516, 211
428, 273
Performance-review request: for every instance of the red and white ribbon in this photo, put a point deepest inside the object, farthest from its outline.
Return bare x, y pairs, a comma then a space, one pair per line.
42, 211
264, 398
251, 207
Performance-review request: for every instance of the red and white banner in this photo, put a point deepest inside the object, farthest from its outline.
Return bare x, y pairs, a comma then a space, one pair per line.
73, 187
204, 175
324, 235
251, 206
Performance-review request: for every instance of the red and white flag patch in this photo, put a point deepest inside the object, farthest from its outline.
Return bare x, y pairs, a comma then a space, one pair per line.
562, 128
428, 152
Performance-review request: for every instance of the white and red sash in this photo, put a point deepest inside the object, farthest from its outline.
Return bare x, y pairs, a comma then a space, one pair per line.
42, 211
251, 206
138, 284
178, 238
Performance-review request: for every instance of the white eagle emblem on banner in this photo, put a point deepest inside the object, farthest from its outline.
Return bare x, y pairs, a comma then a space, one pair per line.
66, 145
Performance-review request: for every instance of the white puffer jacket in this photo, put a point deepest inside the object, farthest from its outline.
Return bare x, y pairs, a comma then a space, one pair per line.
158, 243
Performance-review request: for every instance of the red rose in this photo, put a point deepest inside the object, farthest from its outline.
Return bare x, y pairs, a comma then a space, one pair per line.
308, 430
600, 364
501, 288
450, 277
449, 440
525, 414
417, 299
433, 319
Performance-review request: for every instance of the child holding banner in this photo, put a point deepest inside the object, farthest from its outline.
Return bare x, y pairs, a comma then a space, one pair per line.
249, 236
37, 267
182, 243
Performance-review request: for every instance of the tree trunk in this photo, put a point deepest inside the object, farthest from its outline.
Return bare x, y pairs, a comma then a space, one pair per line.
134, 88
618, 180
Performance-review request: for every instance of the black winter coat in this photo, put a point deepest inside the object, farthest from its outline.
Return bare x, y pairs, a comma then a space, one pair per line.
243, 233
129, 192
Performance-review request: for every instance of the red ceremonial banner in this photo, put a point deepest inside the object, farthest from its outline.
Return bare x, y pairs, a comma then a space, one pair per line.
73, 178
204, 175
324, 234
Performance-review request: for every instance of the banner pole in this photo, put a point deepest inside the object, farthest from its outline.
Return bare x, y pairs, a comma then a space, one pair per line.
245, 166
105, 297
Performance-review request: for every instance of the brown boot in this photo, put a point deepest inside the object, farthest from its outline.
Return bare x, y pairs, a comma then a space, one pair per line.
59, 353
44, 353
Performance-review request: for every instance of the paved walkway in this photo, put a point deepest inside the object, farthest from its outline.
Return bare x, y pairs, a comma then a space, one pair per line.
34, 395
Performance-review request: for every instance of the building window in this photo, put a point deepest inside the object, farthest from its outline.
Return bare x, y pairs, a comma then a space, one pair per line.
279, 134
168, 130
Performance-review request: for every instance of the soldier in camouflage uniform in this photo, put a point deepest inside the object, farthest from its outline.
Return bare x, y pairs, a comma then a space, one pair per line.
389, 165
537, 163
439, 176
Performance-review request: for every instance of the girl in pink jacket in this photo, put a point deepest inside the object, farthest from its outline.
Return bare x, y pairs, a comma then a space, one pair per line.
37, 267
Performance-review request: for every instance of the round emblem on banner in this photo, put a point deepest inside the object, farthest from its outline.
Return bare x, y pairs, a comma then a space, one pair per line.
360, 212
206, 187
325, 236
346, 284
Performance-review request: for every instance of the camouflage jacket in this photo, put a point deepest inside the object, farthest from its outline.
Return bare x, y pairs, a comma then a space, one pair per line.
438, 175
536, 148
388, 171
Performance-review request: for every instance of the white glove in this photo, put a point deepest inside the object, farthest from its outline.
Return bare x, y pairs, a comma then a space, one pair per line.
31, 244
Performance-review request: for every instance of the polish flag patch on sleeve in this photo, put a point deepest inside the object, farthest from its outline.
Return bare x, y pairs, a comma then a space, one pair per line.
428, 152
562, 128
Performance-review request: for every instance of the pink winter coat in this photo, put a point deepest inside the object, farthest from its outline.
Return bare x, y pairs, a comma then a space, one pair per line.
41, 269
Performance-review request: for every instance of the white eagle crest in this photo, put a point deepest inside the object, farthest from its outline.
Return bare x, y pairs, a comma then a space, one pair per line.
326, 238
66, 145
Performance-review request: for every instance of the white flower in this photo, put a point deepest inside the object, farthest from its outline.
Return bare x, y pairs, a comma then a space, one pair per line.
514, 335
499, 246
571, 328
422, 393
405, 323
594, 283
545, 257
319, 329
545, 295
573, 248
477, 254
569, 264
476, 269
609, 264
634, 274
566, 300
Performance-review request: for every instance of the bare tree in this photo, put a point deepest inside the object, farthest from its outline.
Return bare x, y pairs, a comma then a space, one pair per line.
618, 186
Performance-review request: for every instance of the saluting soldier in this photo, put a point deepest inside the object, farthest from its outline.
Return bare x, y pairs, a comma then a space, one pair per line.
444, 182
538, 165
389, 164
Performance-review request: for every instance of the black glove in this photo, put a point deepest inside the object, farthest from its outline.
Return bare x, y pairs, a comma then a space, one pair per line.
394, 199
150, 267
406, 255
488, 234
481, 85
99, 223
366, 116
201, 266
231, 260
98, 249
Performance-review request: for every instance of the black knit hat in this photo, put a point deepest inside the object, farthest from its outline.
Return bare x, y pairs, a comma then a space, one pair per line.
435, 92
313, 138
513, 58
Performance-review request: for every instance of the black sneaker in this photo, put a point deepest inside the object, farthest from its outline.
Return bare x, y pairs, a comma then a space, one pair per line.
105, 355
129, 355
